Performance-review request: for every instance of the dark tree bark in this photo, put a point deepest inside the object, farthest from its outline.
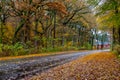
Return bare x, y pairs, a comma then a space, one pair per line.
119, 35
54, 31
113, 37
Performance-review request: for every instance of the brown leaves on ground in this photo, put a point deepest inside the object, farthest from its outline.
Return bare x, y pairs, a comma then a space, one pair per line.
99, 66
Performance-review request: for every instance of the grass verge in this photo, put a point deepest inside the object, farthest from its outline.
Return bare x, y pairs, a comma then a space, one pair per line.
38, 54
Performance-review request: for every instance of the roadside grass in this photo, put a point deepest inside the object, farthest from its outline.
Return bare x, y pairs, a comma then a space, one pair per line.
38, 54
98, 66
19, 49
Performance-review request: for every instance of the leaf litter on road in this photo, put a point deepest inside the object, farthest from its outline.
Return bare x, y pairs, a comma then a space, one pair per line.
98, 66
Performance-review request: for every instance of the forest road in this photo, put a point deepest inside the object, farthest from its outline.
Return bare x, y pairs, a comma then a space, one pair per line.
18, 69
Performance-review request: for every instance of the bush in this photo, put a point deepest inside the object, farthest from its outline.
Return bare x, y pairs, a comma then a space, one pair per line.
117, 49
1, 45
10, 50
50, 49
88, 46
83, 48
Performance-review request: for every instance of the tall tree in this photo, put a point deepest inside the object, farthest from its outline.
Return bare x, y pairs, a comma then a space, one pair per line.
4, 14
108, 13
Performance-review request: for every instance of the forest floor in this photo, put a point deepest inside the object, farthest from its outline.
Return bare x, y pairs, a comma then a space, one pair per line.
98, 66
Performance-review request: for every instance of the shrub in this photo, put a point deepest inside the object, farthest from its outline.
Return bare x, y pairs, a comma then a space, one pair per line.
73, 48
10, 50
1, 45
117, 49
83, 48
88, 46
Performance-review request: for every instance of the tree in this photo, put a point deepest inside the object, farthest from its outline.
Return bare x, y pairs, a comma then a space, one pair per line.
43, 24
56, 8
108, 16
4, 14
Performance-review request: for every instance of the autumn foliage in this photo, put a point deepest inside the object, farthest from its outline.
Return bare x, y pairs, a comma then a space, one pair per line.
43, 26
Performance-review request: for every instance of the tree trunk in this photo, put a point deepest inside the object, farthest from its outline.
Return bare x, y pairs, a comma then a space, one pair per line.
36, 34
27, 33
54, 32
119, 35
78, 37
113, 37
1, 33
1, 37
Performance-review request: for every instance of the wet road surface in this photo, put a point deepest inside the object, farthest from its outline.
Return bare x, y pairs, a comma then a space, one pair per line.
18, 69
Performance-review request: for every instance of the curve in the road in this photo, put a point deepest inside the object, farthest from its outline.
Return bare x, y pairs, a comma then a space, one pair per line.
20, 68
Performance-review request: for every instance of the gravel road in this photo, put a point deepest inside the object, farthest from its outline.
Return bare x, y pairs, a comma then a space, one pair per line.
18, 69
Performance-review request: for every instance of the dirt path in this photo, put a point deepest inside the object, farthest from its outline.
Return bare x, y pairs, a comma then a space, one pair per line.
19, 68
